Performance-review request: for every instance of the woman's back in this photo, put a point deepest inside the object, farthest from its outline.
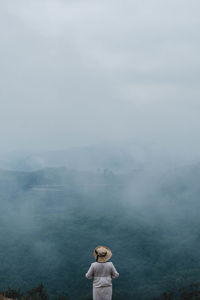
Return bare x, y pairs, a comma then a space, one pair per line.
104, 269
102, 273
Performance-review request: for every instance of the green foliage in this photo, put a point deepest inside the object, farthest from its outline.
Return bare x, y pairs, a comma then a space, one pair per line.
14, 294
38, 293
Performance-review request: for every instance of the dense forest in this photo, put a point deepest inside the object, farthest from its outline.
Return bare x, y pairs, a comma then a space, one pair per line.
53, 218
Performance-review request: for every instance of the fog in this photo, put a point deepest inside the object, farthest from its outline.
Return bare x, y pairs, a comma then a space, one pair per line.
99, 126
79, 73
52, 219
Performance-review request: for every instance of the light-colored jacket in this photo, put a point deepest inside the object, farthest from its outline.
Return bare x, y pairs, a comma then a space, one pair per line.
102, 273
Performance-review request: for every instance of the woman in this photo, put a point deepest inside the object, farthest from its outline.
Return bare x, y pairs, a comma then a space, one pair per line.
102, 273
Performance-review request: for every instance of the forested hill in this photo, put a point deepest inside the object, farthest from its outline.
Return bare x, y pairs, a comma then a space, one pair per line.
52, 219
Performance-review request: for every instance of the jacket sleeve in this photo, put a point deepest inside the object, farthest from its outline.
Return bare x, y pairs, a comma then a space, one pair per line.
114, 273
90, 272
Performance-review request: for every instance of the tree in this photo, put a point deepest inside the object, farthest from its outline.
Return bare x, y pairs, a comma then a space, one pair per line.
38, 293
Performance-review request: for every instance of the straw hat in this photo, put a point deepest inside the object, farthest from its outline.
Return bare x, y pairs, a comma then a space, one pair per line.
102, 254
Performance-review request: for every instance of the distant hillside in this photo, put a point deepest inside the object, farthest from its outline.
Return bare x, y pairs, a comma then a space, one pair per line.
84, 158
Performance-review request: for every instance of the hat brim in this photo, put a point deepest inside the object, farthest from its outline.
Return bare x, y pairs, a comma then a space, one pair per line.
105, 258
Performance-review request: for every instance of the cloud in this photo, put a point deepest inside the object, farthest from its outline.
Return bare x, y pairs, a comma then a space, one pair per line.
85, 72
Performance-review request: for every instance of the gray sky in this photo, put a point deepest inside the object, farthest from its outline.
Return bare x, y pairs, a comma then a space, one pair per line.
77, 73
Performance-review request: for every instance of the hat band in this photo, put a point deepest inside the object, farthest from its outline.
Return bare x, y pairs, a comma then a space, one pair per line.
100, 254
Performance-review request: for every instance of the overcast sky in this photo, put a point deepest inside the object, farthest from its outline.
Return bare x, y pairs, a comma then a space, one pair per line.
77, 73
